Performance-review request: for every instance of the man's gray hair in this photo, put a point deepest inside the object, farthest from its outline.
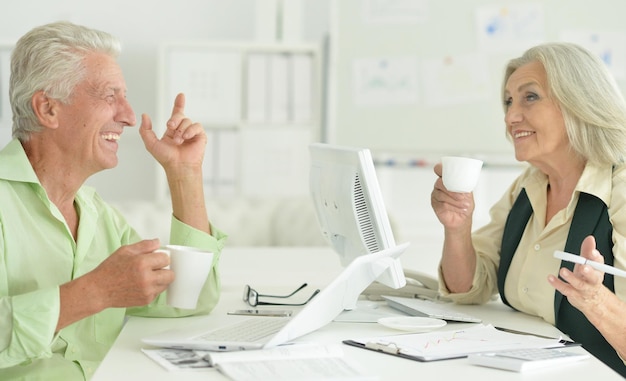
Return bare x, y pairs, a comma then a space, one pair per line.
49, 58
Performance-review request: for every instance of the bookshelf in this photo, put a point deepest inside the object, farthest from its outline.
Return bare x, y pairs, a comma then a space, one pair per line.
5, 105
261, 105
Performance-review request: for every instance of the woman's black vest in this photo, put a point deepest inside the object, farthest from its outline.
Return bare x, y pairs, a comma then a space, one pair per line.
591, 217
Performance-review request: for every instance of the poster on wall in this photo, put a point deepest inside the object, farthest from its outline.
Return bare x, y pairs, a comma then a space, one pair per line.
509, 28
385, 80
609, 46
456, 79
394, 12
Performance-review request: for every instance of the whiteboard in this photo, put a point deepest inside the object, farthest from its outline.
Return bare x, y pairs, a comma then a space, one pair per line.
424, 77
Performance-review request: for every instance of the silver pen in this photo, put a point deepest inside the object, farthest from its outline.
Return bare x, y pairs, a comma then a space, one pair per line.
584, 261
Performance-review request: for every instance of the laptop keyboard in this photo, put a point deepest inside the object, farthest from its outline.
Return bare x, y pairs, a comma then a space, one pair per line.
249, 330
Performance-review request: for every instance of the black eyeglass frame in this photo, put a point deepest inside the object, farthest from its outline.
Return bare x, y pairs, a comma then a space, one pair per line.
251, 296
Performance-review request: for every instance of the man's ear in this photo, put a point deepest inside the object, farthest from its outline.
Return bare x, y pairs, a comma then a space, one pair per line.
45, 109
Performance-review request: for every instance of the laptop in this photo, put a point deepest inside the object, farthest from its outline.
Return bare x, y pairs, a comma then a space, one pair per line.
340, 294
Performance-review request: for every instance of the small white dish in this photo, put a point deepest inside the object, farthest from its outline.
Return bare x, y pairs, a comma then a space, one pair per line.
412, 323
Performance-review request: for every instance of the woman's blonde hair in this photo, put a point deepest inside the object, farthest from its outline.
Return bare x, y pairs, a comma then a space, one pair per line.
593, 107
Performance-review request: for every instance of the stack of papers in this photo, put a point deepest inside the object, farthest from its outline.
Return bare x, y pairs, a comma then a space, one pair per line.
302, 362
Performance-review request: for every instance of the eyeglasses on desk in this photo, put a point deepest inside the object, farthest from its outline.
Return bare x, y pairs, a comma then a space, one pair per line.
251, 296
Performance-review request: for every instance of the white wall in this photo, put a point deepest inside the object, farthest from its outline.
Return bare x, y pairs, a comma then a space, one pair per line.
142, 25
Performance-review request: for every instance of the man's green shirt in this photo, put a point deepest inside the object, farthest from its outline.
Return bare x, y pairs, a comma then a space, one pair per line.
38, 254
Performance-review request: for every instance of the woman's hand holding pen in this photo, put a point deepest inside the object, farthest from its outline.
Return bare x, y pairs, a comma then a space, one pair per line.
583, 287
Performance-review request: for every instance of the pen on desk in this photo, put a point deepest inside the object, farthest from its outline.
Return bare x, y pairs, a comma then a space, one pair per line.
565, 342
522, 332
584, 261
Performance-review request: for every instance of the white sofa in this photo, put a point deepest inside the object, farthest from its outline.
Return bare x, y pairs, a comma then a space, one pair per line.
247, 221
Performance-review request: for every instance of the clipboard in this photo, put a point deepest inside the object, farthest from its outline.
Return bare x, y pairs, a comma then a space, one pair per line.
390, 349
460, 343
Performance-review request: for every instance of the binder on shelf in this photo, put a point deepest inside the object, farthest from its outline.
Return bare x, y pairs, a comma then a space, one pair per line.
211, 81
5, 106
221, 161
257, 97
279, 88
234, 89
301, 87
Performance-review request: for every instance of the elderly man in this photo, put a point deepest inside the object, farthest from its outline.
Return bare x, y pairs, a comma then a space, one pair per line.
71, 267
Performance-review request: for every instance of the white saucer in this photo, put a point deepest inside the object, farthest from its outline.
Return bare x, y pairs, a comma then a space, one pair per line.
412, 323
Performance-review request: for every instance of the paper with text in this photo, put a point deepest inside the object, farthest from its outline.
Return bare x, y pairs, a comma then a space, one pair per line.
454, 343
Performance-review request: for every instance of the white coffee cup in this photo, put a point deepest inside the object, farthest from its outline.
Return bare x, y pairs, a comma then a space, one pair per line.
191, 267
460, 174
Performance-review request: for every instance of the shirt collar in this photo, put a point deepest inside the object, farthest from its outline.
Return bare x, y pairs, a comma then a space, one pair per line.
15, 165
596, 180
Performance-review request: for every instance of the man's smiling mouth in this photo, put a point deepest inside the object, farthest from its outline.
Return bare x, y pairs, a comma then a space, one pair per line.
111, 137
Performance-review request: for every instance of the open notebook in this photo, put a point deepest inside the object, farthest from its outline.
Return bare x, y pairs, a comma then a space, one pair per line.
340, 294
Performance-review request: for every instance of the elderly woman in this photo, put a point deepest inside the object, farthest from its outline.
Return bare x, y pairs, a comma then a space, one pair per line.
567, 120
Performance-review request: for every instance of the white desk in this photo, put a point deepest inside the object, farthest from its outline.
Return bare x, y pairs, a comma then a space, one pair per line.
279, 270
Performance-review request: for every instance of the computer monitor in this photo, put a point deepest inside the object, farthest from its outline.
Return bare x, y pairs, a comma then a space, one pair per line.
350, 207
353, 218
